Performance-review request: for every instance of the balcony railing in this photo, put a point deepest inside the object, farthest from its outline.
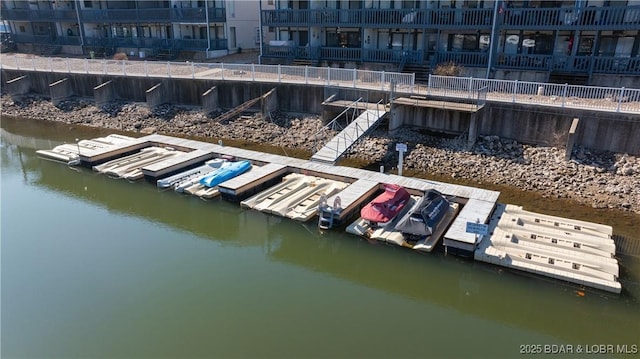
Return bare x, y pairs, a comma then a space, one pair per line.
191, 15
341, 53
524, 62
465, 18
621, 65
547, 63
141, 42
38, 15
34, 39
468, 59
590, 18
380, 18
393, 56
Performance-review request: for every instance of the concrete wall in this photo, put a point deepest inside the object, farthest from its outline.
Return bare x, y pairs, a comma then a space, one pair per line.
526, 123
432, 118
19, 86
550, 126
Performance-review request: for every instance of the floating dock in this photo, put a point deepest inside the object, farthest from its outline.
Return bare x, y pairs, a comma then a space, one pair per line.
574, 251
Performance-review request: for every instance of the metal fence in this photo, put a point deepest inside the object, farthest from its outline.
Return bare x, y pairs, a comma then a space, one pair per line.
610, 99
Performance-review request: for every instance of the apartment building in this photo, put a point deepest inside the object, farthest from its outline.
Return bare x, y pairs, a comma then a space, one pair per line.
580, 42
144, 28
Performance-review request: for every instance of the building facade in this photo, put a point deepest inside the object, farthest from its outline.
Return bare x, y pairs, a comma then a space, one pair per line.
145, 28
580, 42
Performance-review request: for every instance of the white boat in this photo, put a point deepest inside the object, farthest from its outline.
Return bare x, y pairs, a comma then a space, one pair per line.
187, 178
122, 161
64, 153
134, 172
202, 191
129, 167
69, 153
303, 204
291, 183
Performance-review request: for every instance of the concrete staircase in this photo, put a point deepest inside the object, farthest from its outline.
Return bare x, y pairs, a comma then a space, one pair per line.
165, 55
303, 62
421, 71
569, 78
50, 50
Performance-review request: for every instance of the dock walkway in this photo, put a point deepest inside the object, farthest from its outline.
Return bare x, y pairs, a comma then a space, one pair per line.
338, 145
363, 183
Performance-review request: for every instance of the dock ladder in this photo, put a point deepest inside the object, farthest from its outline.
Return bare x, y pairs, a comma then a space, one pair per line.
326, 213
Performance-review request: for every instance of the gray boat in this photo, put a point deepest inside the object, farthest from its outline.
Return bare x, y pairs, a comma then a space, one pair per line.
423, 218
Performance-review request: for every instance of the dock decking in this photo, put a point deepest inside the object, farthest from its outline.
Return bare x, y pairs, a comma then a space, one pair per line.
574, 251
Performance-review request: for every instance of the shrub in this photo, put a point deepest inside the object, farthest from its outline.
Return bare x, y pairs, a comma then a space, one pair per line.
448, 69
120, 56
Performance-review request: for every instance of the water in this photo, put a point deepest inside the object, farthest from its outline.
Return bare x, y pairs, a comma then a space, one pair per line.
96, 267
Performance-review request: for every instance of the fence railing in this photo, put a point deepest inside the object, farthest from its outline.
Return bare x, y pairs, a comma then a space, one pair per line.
468, 89
611, 99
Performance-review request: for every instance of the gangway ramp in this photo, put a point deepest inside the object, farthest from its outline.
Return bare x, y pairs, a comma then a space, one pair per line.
338, 145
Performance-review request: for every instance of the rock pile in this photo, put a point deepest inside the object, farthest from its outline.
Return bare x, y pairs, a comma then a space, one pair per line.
603, 180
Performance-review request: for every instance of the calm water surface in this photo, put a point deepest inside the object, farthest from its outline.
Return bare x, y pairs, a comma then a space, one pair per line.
96, 267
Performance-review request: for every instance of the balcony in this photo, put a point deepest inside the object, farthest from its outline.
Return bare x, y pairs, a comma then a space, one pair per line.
34, 39
341, 54
155, 43
393, 56
524, 62
461, 18
467, 59
617, 65
188, 15
590, 18
380, 18
38, 15
47, 39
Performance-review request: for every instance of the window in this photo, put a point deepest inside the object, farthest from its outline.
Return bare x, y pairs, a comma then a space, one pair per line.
586, 46
21, 28
461, 42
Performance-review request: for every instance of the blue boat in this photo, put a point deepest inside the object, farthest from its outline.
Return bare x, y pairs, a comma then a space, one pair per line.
226, 172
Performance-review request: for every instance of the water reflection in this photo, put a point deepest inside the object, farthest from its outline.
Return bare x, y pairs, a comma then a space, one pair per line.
440, 285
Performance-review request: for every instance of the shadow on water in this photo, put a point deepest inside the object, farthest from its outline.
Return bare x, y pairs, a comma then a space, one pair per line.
462, 285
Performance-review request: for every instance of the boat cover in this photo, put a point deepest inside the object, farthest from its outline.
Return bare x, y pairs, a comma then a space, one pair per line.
387, 205
423, 218
226, 172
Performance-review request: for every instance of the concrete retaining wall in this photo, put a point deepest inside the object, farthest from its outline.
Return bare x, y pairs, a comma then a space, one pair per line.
526, 123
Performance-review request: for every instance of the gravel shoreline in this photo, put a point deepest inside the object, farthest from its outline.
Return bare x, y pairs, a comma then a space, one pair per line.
598, 179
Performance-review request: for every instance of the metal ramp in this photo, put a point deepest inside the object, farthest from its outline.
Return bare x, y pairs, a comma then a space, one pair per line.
338, 145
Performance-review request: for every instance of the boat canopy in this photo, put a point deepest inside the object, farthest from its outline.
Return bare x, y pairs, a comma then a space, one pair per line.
387, 205
425, 215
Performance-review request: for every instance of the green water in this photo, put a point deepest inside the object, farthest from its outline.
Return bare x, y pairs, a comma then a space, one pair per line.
97, 267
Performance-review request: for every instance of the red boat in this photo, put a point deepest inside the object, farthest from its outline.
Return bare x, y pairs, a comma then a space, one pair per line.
386, 206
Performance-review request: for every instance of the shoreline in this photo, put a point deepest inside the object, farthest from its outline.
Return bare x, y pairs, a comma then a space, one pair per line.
602, 180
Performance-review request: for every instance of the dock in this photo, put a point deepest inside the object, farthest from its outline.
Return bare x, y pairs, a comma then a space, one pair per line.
574, 251
569, 250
